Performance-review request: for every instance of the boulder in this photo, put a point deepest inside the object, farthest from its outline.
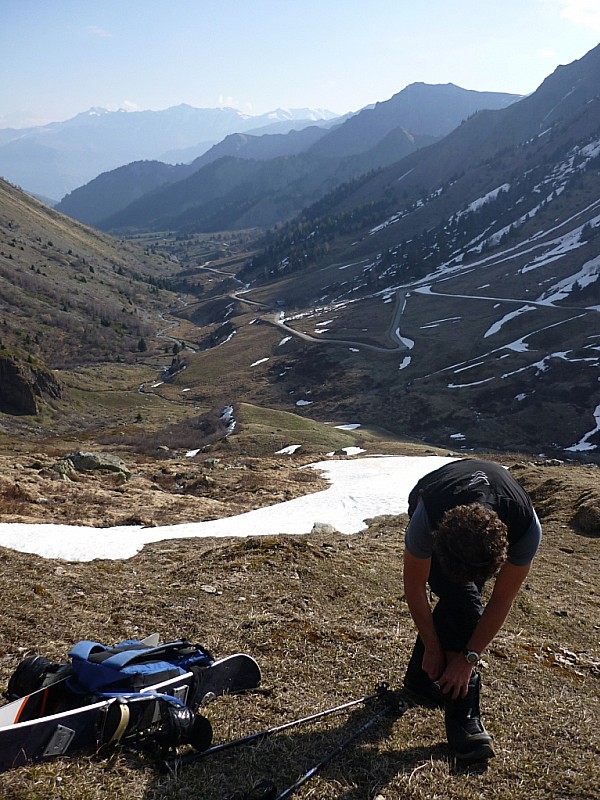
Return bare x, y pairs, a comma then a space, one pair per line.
84, 461
323, 528
65, 468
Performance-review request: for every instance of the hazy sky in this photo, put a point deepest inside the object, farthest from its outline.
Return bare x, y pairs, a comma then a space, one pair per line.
61, 57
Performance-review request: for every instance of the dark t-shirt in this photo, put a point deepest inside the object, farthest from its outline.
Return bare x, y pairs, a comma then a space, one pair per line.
469, 481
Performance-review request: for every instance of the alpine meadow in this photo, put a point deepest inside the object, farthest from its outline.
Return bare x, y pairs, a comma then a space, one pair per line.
230, 345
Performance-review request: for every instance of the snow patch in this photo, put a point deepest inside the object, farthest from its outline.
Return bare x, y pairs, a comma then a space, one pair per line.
583, 443
289, 450
506, 318
349, 451
360, 489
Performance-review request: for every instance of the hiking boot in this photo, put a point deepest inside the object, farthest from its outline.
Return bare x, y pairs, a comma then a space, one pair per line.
418, 686
467, 737
177, 724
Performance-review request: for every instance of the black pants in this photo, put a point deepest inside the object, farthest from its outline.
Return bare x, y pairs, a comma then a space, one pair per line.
457, 611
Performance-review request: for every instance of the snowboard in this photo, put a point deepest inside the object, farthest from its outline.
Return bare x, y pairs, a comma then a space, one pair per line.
53, 722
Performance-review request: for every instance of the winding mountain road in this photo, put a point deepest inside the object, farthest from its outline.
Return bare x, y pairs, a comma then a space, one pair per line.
277, 319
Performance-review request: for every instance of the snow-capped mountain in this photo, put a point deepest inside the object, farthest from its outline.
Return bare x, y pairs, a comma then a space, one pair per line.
54, 159
298, 166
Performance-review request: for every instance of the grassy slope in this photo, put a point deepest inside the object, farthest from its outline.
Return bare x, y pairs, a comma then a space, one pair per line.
72, 295
325, 618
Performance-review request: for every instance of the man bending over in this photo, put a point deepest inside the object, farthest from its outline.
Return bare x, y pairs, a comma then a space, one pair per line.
470, 521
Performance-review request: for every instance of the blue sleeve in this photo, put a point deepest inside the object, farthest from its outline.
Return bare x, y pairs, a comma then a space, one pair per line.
521, 552
418, 537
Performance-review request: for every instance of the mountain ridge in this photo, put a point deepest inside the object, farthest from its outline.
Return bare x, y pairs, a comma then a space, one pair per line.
409, 119
53, 159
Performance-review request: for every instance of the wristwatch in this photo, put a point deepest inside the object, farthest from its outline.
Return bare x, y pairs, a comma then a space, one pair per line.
472, 656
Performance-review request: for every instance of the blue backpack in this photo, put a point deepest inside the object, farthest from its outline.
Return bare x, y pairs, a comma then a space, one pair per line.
132, 665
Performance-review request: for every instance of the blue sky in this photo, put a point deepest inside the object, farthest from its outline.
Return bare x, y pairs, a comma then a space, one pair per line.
60, 57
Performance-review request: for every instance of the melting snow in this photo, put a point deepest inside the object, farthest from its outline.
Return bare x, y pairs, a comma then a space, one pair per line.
360, 489
588, 274
476, 204
408, 343
349, 451
260, 361
467, 385
583, 443
506, 318
229, 338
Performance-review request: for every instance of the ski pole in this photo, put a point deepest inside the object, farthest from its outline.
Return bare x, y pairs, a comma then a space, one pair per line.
266, 790
392, 704
191, 757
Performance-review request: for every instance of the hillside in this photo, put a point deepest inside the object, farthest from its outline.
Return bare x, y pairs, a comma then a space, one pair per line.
114, 190
111, 192
323, 615
71, 295
471, 267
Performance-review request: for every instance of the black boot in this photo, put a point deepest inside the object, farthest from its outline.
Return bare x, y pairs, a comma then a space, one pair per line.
467, 737
418, 686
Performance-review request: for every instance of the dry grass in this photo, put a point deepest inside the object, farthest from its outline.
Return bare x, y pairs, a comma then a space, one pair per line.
325, 618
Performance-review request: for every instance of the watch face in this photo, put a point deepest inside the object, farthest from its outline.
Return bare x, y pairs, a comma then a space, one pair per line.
472, 657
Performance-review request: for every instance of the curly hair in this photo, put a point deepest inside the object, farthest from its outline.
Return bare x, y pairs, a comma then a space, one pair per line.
470, 543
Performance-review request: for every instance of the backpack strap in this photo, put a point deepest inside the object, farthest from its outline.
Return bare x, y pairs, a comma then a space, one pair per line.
121, 658
122, 654
84, 649
113, 657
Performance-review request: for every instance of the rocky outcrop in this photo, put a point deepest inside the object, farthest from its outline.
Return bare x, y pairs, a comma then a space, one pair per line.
587, 516
84, 461
24, 386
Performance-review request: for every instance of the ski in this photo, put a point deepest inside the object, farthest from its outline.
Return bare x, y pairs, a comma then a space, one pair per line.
55, 721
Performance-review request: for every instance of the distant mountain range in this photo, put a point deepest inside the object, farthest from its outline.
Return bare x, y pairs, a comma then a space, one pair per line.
249, 180
450, 295
54, 159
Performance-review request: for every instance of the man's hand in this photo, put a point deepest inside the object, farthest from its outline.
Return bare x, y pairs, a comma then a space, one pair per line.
454, 680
